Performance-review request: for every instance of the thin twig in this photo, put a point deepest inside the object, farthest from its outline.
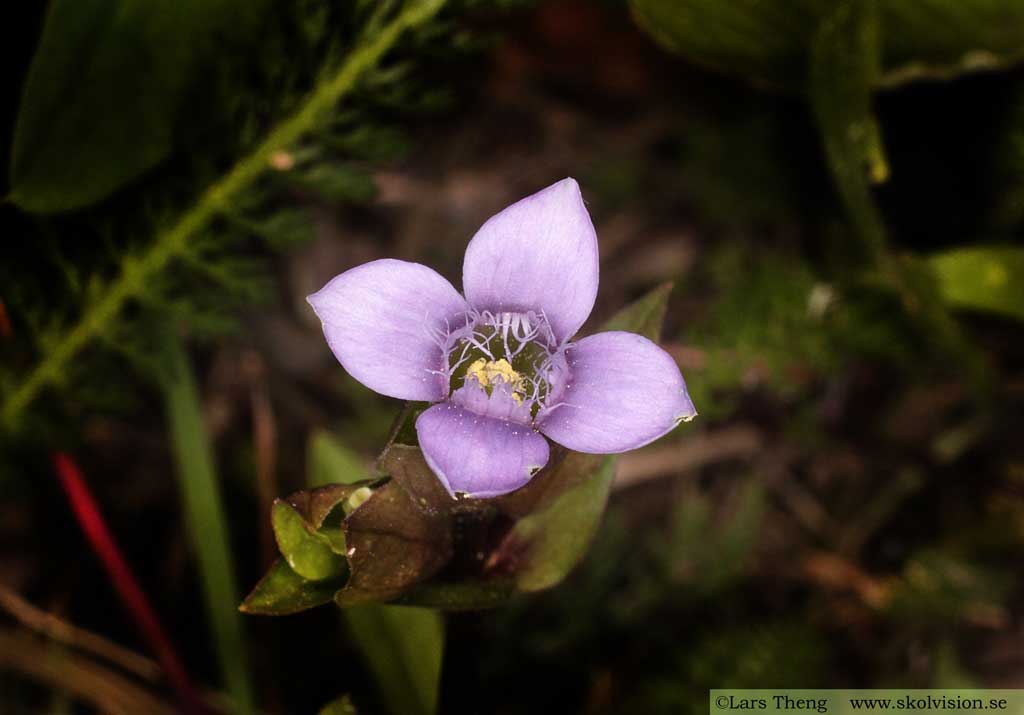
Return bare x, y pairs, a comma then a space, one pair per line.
41, 621
264, 436
108, 691
736, 442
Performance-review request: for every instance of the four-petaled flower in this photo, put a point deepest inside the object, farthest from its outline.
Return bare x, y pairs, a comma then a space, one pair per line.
499, 363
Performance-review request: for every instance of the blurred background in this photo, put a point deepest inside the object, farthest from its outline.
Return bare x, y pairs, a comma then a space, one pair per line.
836, 191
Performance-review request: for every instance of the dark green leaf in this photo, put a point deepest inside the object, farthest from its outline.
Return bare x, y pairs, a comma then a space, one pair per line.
941, 39
282, 591
769, 42
104, 89
984, 278
763, 41
309, 553
403, 648
324, 509
398, 537
643, 316
551, 540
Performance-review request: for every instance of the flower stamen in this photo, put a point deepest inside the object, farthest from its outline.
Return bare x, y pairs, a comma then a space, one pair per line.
488, 374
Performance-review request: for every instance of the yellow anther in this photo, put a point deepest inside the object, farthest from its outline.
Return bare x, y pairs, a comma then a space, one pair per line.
488, 373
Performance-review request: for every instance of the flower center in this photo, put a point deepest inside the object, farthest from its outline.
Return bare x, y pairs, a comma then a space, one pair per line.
505, 365
489, 373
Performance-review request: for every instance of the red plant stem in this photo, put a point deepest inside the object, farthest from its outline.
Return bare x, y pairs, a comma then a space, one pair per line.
5, 322
91, 520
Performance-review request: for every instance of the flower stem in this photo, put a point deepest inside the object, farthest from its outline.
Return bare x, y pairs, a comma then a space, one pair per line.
171, 243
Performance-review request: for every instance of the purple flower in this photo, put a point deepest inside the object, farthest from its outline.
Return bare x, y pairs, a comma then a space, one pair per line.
499, 363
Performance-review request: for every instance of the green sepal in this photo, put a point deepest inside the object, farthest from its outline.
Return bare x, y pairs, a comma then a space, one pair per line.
282, 591
310, 554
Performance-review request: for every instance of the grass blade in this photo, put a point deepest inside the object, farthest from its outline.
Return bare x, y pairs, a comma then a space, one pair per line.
205, 519
403, 648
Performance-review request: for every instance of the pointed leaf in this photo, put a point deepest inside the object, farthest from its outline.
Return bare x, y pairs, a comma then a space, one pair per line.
545, 545
282, 591
105, 88
317, 505
206, 518
643, 316
308, 553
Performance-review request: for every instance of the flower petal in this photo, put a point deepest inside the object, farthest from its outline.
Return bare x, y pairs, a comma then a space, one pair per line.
384, 321
479, 456
624, 392
539, 254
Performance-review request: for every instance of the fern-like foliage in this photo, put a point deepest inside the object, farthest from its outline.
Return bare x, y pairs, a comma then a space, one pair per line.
323, 103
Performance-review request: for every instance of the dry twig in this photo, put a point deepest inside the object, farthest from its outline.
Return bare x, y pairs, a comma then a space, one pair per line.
83, 679
70, 635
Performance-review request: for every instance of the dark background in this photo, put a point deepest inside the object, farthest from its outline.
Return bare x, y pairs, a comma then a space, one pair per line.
848, 510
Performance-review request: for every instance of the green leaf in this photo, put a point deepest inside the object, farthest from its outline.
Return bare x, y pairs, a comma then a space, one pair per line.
551, 540
769, 42
845, 64
206, 521
403, 648
308, 553
942, 39
323, 510
331, 462
282, 591
763, 41
643, 316
987, 278
105, 88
